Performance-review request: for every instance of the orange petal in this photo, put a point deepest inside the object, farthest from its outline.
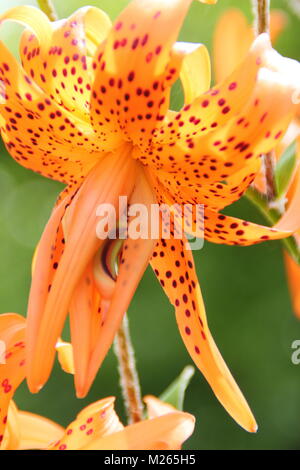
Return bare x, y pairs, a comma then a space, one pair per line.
174, 267
216, 196
62, 61
135, 257
112, 177
12, 372
26, 113
253, 131
86, 315
215, 108
53, 87
220, 228
165, 432
12, 435
46, 259
94, 422
195, 73
132, 70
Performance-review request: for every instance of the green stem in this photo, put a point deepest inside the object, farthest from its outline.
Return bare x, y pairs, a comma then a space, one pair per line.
47, 7
128, 373
272, 216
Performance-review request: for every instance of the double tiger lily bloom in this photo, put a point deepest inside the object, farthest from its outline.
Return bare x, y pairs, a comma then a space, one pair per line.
230, 47
89, 107
96, 427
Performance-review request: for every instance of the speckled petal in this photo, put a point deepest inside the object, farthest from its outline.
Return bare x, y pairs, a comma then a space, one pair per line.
133, 78
94, 422
112, 177
165, 432
174, 267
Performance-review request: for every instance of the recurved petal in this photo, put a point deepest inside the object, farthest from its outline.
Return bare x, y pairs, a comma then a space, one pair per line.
174, 267
195, 71
165, 432
12, 370
94, 422
216, 196
220, 228
40, 134
213, 109
54, 54
254, 130
61, 66
133, 78
32, 18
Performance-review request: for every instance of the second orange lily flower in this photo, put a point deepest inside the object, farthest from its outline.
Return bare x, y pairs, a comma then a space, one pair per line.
96, 427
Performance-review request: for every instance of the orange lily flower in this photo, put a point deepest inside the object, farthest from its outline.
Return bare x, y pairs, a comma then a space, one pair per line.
93, 102
13, 371
97, 427
230, 47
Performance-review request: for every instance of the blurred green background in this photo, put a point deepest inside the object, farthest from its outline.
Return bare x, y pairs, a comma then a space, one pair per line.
244, 289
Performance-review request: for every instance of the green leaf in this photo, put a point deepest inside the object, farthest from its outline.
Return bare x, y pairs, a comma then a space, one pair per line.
174, 394
284, 169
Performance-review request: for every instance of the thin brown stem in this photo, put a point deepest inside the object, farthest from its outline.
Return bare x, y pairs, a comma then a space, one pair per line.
261, 9
269, 163
128, 373
47, 7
